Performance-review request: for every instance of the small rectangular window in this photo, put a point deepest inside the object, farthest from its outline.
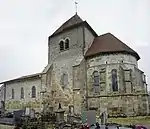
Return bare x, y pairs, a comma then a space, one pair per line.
13, 94
22, 93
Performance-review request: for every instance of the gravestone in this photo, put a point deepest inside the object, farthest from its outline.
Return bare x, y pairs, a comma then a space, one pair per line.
103, 118
27, 111
89, 117
70, 114
18, 115
32, 113
60, 114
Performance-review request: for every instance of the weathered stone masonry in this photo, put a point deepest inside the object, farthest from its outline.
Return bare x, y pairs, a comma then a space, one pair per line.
89, 72
130, 97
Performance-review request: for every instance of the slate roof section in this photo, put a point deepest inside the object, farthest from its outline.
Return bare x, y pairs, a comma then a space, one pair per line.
73, 22
37, 75
108, 43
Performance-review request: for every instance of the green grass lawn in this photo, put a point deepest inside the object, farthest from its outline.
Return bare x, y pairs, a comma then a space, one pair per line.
131, 120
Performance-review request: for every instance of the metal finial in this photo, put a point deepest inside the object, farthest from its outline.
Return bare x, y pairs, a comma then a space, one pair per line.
76, 7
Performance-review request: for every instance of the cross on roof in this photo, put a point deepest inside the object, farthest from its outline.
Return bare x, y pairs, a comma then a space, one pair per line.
76, 7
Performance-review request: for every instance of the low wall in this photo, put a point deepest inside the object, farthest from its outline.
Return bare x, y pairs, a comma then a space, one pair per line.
6, 127
131, 120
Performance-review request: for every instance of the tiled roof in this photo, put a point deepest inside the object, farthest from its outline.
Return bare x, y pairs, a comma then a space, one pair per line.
22, 78
71, 22
108, 43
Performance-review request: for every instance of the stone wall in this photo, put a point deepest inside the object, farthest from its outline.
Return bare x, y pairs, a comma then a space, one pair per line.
128, 84
75, 46
79, 87
113, 59
64, 62
2, 95
27, 101
88, 39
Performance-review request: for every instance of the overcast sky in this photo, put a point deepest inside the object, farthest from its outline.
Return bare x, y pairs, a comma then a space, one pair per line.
26, 24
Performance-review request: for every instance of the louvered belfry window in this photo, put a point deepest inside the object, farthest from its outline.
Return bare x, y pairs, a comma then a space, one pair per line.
67, 44
61, 44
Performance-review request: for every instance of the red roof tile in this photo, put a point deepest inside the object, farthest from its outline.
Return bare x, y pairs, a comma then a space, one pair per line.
108, 43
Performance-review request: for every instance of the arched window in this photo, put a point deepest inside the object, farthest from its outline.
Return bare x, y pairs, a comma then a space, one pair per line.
33, 92
61, 45
114, 80
22, 93
67, 44
64, 80
96, 82
13, 93
96, 79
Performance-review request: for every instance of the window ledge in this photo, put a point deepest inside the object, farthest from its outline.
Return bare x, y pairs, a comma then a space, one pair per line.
102, 82
64, 50
74, 89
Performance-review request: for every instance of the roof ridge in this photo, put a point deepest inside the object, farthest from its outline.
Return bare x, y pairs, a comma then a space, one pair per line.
72, 18
75, 19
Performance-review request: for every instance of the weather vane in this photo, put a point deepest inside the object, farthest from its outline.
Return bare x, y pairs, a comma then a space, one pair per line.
76, 6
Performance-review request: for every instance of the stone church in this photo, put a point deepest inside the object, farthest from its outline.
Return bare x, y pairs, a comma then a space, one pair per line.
85, 71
